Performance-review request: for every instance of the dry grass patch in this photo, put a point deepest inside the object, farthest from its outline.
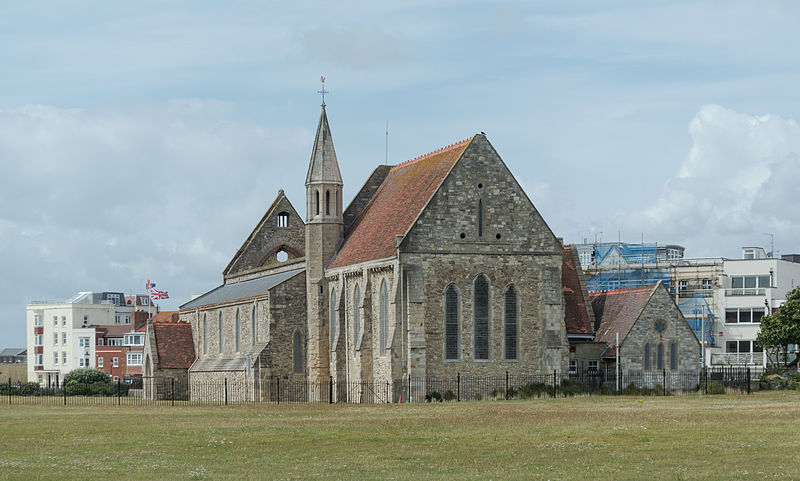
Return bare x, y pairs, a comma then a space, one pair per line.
715, 437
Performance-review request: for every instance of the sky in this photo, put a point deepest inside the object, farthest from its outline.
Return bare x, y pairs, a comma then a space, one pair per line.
144, 140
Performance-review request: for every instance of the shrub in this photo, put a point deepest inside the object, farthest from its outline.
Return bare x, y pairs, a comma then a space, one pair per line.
630, 390
449, 396
87, 375
433, 396
29, 389
715, 388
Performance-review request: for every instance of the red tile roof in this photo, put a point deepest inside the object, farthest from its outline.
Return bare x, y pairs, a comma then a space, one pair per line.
617, 311
166, 316
114, 330
174, 344
576, 316
396, 204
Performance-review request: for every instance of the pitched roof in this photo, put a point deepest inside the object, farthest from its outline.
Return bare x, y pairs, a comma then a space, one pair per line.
616, 311
395, 206
576, 303
114, 330
174, 344
323, 167
241, 290
12, 351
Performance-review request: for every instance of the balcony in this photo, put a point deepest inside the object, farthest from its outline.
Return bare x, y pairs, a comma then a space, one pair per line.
746, 291
738, 358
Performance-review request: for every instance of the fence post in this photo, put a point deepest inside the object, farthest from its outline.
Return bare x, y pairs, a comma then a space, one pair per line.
172, 390
554, 383
278, 389
225, 388
748, 380
408, 394
119, 392
506, 385
330, 389
387, 392
458, 387
664, 382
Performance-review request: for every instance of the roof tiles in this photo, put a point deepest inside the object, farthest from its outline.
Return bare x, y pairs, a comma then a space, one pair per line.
398, 201
616, 311
576, 316
174, 344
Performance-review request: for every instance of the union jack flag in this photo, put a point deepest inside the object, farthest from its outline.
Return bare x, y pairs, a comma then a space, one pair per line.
159, 294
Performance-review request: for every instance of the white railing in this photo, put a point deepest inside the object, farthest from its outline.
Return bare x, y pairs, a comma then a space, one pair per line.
738, 358
748, 291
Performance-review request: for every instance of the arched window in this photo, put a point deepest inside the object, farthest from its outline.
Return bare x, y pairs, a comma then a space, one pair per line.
660, 356
481, 312
238, 329
327, 202
317, 196
673, 356
511, 323
205, 335
283, 219
334, 317
220, 332
253, 325
297, 352
647, 364
356, 313
451, 334
480, 218
384, 311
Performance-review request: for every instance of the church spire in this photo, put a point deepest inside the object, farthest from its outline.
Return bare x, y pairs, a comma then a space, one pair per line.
323, 167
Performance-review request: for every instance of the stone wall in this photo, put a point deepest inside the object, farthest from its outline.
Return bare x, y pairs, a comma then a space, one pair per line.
660, 307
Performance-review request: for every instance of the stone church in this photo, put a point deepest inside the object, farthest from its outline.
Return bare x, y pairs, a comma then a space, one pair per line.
439, 266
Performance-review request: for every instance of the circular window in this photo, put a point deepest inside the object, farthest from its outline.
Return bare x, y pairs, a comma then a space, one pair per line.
498, 236
661, 326
463, 235
480, 186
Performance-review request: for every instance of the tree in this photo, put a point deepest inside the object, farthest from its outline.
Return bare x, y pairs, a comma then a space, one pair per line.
87, 376
783, 328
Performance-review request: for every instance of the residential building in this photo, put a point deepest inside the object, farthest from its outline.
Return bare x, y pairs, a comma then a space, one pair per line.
14, 355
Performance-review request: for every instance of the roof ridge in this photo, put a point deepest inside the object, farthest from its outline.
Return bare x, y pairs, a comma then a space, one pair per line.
434, 152
621, 290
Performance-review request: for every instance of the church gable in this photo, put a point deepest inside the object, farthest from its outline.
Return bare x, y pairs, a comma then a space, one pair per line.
480, 207
279, 234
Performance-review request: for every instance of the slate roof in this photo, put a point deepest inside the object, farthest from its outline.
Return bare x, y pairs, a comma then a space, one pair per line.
241, 290
227, 362
174, 344
12, 352
576, 314
395, 206
617, 311
323, 167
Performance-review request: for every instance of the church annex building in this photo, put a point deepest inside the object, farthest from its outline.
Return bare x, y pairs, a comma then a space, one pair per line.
440, 265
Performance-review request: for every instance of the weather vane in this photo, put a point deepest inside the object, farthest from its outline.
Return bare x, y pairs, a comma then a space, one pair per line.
323, 91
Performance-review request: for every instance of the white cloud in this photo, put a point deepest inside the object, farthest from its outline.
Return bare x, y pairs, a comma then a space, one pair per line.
738, 182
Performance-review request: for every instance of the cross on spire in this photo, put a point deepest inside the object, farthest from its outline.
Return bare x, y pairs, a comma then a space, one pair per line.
323, 91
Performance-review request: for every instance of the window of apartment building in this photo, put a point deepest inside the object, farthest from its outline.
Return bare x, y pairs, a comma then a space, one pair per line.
55, 338
99, 362
707, 285
55, 321
673, 254
55, 358
116, 319
38, 359
585, 258
37, 339
64, 320
37, 320
113, 298
134, 359
63, 357
84, 342
85, 319
683, 285
114, 341
134, 340
573, 366
744, 315
100, 341
115, 362
750, 282
742, 347
63, 338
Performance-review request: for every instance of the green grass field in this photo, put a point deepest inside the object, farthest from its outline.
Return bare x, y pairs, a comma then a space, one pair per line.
626, 438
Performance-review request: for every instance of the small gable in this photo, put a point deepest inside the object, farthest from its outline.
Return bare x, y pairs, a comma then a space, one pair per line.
278, 237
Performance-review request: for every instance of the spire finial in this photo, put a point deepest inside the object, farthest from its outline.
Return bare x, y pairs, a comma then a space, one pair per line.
323, 91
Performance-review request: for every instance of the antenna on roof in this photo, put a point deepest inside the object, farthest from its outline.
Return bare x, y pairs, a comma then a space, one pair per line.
387, 143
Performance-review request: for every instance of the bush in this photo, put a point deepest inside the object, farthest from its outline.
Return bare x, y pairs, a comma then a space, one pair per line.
715, 388
630, 390
449, 396
87, 375
29, 389
433, 396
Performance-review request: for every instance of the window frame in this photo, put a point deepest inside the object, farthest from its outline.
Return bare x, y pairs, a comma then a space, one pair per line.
478, 320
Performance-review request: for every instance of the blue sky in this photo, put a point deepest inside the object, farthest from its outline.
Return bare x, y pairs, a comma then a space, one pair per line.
145, 140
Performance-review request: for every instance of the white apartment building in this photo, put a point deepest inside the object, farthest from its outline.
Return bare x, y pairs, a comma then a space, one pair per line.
748, 289
61, 334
